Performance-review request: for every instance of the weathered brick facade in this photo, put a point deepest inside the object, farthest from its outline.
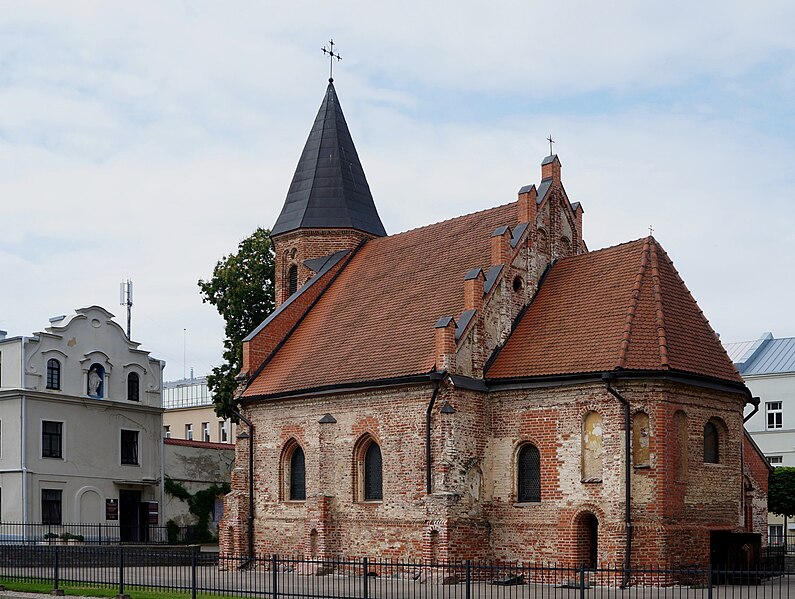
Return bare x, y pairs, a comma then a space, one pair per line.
454, 348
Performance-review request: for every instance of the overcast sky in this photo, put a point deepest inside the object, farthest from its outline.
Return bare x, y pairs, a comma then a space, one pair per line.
145, 139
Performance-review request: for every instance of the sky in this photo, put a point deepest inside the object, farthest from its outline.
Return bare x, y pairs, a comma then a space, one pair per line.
144, 140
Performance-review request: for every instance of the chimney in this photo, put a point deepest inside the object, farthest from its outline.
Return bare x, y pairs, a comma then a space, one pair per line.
473, 289
550, 168
527, 205
501, 245
3, 334
445, 344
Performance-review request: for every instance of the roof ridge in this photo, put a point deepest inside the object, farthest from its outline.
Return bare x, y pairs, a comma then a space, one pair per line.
600, 250
665, 256
629, 321
449, 220
658, 302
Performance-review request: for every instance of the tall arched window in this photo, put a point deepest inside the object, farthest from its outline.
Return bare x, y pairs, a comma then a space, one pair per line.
528, 474
373, 490
53, 374
292, 279
711, 444
640, 440
592, 448
133, 387
297, 475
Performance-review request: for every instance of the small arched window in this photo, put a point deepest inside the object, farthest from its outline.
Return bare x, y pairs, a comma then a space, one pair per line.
133, 387
53, 374
592, 448
711, 444
297, 475
528, 474
292, 279
373, 490
640, 440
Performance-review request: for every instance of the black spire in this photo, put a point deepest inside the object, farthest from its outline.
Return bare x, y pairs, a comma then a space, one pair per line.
329, 189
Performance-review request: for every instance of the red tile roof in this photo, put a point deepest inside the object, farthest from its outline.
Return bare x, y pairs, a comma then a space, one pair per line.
377, 318
623, 307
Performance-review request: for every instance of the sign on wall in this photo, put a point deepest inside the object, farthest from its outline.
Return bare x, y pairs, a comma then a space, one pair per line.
111, 509
153, 512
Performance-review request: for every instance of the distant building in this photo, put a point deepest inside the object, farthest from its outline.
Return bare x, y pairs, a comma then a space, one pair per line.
768, 367
80, 416
190, 414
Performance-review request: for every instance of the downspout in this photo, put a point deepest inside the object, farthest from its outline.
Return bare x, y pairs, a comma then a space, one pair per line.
754, 401
23, 408
250, 523
437, 378
608, 378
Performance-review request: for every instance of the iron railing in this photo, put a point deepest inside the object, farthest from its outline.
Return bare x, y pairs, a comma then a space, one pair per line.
27, 533
189, 570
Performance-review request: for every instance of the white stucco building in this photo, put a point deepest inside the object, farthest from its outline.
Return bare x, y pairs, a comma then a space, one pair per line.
768, 366
80, 426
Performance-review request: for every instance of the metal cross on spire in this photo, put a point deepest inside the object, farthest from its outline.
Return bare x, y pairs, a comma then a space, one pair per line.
331, 57
551, 141
651, 230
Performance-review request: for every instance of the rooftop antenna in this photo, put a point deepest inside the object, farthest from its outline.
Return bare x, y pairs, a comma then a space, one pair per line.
551, 141
331, 57
184, 350
126, 299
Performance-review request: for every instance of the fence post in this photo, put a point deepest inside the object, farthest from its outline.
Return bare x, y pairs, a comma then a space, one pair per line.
121, 570
582, 581
193, 559
57, 574
365, 590
274, 575
468, 579
709, 581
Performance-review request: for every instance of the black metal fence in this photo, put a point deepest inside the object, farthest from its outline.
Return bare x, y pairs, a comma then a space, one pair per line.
189, 570
27, 533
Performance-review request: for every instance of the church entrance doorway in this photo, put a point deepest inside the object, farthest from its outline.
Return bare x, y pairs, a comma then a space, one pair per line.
129, 516
588, 540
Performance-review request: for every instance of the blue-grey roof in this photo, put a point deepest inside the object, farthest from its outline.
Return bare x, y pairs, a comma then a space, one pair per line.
765, 355
463, 323
329, 189
550, 158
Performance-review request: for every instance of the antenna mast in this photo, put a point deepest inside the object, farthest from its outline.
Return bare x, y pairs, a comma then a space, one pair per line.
126, 299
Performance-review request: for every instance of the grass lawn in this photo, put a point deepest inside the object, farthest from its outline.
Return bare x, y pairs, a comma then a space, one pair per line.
33, 586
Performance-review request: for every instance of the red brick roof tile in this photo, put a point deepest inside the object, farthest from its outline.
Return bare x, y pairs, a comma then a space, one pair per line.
376, 320
623, 307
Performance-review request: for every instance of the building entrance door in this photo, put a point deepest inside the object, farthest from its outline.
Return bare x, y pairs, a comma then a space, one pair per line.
129, 516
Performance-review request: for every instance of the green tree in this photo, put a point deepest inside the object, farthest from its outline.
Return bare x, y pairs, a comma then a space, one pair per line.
241, 289
781, 491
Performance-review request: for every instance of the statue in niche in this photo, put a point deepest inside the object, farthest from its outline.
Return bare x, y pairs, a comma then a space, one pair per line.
94, 382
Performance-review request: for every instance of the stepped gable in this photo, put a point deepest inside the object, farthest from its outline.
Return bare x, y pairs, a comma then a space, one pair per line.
329, 189
376, 321
621, 308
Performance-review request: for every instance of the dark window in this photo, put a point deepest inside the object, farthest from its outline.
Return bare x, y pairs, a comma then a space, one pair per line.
129, 447
372, 473
528, 469
292, 279
53, 374
51, 506
711, 444
133, 386
51, 439
297, 475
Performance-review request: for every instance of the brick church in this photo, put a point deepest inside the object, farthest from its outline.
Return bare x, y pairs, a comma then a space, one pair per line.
482, 388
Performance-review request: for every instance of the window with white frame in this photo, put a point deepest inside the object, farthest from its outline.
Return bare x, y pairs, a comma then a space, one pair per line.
774, 415
223, 434
775, 534
775, 460
167, 431
189, 432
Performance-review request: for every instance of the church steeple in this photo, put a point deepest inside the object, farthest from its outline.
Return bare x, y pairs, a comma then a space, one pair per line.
329, 206
329, 189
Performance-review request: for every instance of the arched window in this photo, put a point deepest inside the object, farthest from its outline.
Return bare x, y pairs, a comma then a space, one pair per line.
292, 279
133, 387
53, 374
297, 475
640, 440
372, 473
711, 444
592, 448
528, 474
